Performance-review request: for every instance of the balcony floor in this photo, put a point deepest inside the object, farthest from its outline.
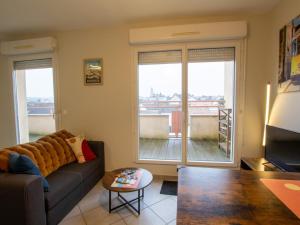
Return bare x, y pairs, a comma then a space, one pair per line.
170, 149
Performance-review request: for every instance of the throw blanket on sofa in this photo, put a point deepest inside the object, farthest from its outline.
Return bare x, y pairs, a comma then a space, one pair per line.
48, 153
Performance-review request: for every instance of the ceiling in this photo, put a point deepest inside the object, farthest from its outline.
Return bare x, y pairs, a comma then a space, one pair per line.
17, 16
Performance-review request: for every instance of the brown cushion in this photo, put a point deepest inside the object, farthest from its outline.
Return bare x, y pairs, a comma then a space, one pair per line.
49, 153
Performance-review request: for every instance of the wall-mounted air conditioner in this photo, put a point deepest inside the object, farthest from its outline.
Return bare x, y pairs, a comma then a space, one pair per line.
189, 32
29, 46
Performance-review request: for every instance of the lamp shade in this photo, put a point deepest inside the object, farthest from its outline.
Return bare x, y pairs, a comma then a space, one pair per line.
285, 113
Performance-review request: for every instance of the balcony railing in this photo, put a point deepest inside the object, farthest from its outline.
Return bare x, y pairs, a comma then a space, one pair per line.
163, 119
166, 106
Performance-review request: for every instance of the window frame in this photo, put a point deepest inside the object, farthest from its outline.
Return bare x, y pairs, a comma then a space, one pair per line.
53, 57
239, 99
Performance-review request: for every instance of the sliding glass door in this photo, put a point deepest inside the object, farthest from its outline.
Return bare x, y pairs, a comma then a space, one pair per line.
210, 104
160, 105
34, 99
186, 105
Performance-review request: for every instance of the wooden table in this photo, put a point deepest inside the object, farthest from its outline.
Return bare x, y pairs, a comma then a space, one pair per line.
145, 181
230, 197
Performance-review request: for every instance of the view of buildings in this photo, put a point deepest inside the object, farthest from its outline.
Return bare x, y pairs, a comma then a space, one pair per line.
158, 103
40, 106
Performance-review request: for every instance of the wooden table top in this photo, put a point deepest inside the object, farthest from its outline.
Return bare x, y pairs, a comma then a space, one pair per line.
110, 177
230, 197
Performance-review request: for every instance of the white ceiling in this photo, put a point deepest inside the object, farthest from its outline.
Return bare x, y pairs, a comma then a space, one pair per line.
52, 15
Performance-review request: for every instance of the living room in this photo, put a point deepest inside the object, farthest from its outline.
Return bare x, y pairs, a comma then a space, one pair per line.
162, 122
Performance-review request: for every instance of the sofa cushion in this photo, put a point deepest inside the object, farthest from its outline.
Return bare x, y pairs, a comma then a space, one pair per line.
48, 153
87, 151
85, 169
62, 183
22, 164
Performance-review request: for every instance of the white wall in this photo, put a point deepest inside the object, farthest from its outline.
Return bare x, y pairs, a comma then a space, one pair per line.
41, 124
286, 109
228, 84
204, 127
22, 106
105, 113
154, 126
7, 116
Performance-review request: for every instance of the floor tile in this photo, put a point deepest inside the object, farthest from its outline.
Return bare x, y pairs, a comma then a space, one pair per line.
74, 212
174, 198
93, 208
100, 216
152, 194
75, 220
121, 222
166, 209
127, 211
96, 199
147, 217
172, 222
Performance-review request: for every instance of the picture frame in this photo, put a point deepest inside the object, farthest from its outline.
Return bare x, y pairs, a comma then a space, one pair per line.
93, 71
289, 57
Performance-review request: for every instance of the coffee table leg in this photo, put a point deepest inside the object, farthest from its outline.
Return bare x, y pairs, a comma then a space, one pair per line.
109, 202
139, 202
128, 203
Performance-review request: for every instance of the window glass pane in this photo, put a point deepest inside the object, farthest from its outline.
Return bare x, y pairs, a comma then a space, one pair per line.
210, 104
35, 103
160, 105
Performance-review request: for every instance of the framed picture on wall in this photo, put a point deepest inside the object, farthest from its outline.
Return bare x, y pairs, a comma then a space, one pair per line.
93, 71
289, 57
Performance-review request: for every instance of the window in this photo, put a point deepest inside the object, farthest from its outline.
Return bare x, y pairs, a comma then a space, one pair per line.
187, 98
34, 99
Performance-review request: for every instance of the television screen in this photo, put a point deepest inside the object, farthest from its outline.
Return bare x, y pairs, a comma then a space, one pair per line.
283, 148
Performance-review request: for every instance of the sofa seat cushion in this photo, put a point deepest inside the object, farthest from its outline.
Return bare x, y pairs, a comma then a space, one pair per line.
84, 169
62, 183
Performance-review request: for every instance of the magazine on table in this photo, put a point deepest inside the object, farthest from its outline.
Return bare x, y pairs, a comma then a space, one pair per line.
128, 178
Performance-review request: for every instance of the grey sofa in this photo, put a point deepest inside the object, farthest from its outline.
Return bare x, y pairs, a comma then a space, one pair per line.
24, 202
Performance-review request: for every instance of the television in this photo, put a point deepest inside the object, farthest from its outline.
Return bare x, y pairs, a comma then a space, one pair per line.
283, 148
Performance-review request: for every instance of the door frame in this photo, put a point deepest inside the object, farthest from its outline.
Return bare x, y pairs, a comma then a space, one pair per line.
239, 98
135, 99
53, 56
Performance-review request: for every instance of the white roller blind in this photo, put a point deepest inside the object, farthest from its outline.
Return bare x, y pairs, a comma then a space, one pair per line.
211, 55
159, 57
33, 64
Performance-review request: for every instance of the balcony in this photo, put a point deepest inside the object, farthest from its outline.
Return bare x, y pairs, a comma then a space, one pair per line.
160, 130
40, 119
40, 125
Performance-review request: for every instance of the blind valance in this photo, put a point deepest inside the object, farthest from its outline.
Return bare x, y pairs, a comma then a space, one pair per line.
33, 64
211, 55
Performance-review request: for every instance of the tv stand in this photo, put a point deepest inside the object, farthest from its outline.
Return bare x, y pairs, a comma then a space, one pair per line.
258, 164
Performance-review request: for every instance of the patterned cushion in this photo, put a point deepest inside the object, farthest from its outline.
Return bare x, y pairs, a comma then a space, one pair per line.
81, 149
76, 145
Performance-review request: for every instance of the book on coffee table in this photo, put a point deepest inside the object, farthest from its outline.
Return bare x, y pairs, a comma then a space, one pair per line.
128, 178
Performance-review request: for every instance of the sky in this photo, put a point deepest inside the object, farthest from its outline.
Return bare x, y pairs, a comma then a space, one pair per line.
39, 83
203, 79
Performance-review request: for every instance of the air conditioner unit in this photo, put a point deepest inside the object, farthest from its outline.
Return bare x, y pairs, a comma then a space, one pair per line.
189, 32
29, 46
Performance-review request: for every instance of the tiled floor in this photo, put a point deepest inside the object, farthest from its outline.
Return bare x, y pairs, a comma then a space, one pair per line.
93, 208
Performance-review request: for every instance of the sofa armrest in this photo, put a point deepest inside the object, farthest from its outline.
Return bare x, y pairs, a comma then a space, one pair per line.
22, 200
98, 148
